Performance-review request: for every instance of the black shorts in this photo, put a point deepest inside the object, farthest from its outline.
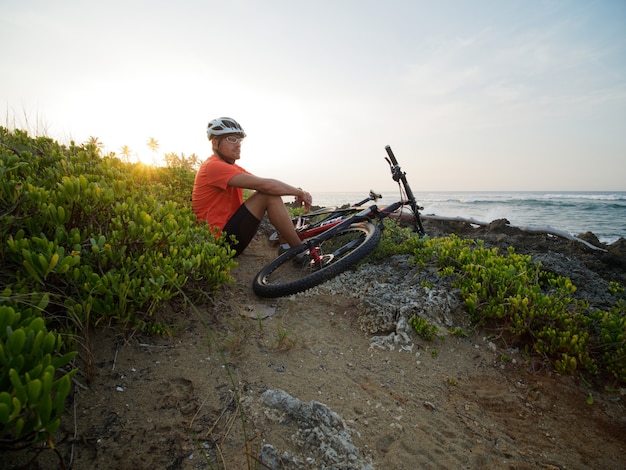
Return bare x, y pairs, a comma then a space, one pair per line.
243, 225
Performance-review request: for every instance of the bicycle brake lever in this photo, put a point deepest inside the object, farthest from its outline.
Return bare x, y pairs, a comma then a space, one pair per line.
396, 173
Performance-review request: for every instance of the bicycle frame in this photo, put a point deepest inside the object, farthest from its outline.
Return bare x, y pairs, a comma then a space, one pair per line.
334, 217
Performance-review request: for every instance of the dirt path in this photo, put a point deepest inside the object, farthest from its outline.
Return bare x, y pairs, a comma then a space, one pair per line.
460, 402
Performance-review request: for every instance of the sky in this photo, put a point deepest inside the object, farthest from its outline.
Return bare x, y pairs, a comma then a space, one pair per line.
483, 95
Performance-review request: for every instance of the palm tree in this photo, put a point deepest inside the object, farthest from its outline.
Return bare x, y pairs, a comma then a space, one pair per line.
96, 144
194, 161
153, 145
125, 151
172, 160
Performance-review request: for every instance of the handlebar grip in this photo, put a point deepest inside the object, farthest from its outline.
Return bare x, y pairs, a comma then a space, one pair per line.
391, 155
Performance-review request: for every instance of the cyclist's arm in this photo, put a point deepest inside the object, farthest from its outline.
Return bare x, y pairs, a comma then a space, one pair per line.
270, 186
265, 185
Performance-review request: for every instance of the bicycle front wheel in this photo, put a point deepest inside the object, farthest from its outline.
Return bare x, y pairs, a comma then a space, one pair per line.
297, 270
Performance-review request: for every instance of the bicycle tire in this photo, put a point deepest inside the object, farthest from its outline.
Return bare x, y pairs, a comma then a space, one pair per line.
289, 273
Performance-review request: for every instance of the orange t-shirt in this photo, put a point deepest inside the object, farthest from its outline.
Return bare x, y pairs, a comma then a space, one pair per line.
212, 199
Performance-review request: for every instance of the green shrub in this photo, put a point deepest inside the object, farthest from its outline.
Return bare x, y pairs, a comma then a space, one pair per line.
105, 242
395, 240
110, 241
537, 308
423, 328
513, 295
609, 330
32, 391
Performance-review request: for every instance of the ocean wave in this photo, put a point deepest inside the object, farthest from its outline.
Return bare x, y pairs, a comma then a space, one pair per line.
591, 196
471, 198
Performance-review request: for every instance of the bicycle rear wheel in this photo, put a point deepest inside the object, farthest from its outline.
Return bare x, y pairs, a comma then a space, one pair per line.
295, 271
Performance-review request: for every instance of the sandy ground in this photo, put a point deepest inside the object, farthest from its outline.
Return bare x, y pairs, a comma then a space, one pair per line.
458, 402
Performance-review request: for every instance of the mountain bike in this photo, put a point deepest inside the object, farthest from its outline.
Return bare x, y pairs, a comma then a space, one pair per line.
337, 247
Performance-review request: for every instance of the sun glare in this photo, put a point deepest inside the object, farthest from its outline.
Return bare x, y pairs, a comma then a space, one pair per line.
276, 134
275, 124
146, 156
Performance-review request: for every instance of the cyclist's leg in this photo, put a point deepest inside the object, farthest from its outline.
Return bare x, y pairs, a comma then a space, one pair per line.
243, 225
259, 203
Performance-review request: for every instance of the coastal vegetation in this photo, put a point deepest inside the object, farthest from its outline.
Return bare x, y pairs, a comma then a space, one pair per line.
86, 241
523, 304
89, 241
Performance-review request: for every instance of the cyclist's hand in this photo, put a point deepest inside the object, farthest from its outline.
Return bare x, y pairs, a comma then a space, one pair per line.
305, 200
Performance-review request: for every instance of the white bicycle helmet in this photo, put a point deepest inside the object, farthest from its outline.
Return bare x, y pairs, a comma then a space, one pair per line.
223, 126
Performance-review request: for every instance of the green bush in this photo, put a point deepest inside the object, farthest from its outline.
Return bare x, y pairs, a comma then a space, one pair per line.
610, 330
423, 328
32, 391
105, 241
537, 308
512, 294
110, 241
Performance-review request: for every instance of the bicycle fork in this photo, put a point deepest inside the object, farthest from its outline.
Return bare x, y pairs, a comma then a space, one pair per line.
321, 260
314, 255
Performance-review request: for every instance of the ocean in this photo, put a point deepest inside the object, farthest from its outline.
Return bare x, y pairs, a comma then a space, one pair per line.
575, 212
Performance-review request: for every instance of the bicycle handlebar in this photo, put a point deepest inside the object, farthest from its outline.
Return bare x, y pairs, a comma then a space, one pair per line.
399, 175
391, 155
396, 172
